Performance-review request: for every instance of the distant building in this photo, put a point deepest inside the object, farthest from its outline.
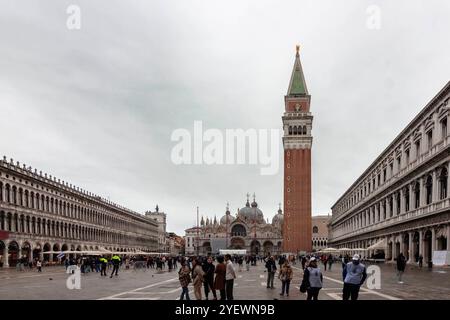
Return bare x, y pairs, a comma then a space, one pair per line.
160, 218
320, 232
175, 244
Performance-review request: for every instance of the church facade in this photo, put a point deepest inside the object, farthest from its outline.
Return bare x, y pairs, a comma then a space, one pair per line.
247, 229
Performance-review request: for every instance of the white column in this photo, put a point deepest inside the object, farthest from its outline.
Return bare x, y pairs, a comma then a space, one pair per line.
433, 242
411, 197
402, 201
423, 192
435, 191
421, 243
448, 237
5, 257
394, 206
410, 248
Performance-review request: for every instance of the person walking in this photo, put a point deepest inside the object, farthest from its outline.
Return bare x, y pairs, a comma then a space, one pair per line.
285, 276
401, 265
219, 281
271, 267
354, 275
103, 264
230, 275
313, 280
208, 283
116, 263
303, 262
420, 261
247, 263
240, 263
197, 278
39, 265
184, 275
330, 262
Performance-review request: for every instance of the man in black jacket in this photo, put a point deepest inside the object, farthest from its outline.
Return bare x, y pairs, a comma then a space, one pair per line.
271, 267
401, 265
208, 284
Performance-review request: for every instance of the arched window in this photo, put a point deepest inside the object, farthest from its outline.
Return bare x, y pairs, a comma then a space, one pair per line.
406, 200
398, 199
290, 129
295, 130
416, 195
443, 185
315, 229
304, 129
429, 189
7, 193
238, 230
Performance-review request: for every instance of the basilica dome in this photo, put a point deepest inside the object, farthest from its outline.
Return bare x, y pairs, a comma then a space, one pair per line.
278, 219
226, 217
251, 214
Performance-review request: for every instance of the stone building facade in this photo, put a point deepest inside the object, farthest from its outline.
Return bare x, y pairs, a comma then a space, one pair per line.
161, 219
401, 202
320, 232
39, 213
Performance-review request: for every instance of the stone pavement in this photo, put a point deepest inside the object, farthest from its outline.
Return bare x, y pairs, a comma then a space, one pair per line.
250, 285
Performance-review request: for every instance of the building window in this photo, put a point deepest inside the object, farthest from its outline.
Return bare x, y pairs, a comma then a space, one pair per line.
417, 149
384, 175
416, 195
315, 229
398, 203
378, 180
391, 169
443, 184
290, 130
407, 157
444, 128
429, 189
430, 139
399, 163
406, 200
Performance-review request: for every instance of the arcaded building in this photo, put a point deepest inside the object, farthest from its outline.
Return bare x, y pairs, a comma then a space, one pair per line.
247, 229
39, 213
320, 232
401, 202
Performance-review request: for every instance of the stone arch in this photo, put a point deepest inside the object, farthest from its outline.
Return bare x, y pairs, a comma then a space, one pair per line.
237, 243
13, 250
268, 247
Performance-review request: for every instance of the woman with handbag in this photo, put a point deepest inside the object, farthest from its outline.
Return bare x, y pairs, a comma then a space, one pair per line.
312, 280
285, 276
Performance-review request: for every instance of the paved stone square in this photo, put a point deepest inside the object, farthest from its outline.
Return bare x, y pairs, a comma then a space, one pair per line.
249, 285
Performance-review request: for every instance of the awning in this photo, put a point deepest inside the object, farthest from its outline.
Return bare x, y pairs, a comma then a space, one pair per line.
380, 245
329, 250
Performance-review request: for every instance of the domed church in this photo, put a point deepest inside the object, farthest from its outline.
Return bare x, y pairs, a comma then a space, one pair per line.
247, 229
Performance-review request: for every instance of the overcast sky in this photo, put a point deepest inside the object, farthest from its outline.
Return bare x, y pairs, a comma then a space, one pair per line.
97, 106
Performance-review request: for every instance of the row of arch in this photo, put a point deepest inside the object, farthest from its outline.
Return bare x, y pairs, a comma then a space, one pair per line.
29, 224
297, 130
319, 243
34, 200
13, 250
392, 205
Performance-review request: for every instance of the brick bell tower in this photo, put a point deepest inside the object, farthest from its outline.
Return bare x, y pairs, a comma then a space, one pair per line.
297, 141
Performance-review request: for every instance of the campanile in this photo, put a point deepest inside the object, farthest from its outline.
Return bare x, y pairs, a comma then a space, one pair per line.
297, 142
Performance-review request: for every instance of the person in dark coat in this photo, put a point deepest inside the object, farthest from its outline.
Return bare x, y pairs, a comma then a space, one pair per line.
219, 281
208, 282
401, 265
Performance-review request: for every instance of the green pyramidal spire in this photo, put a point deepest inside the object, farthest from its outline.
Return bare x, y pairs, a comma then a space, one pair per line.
297, 85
